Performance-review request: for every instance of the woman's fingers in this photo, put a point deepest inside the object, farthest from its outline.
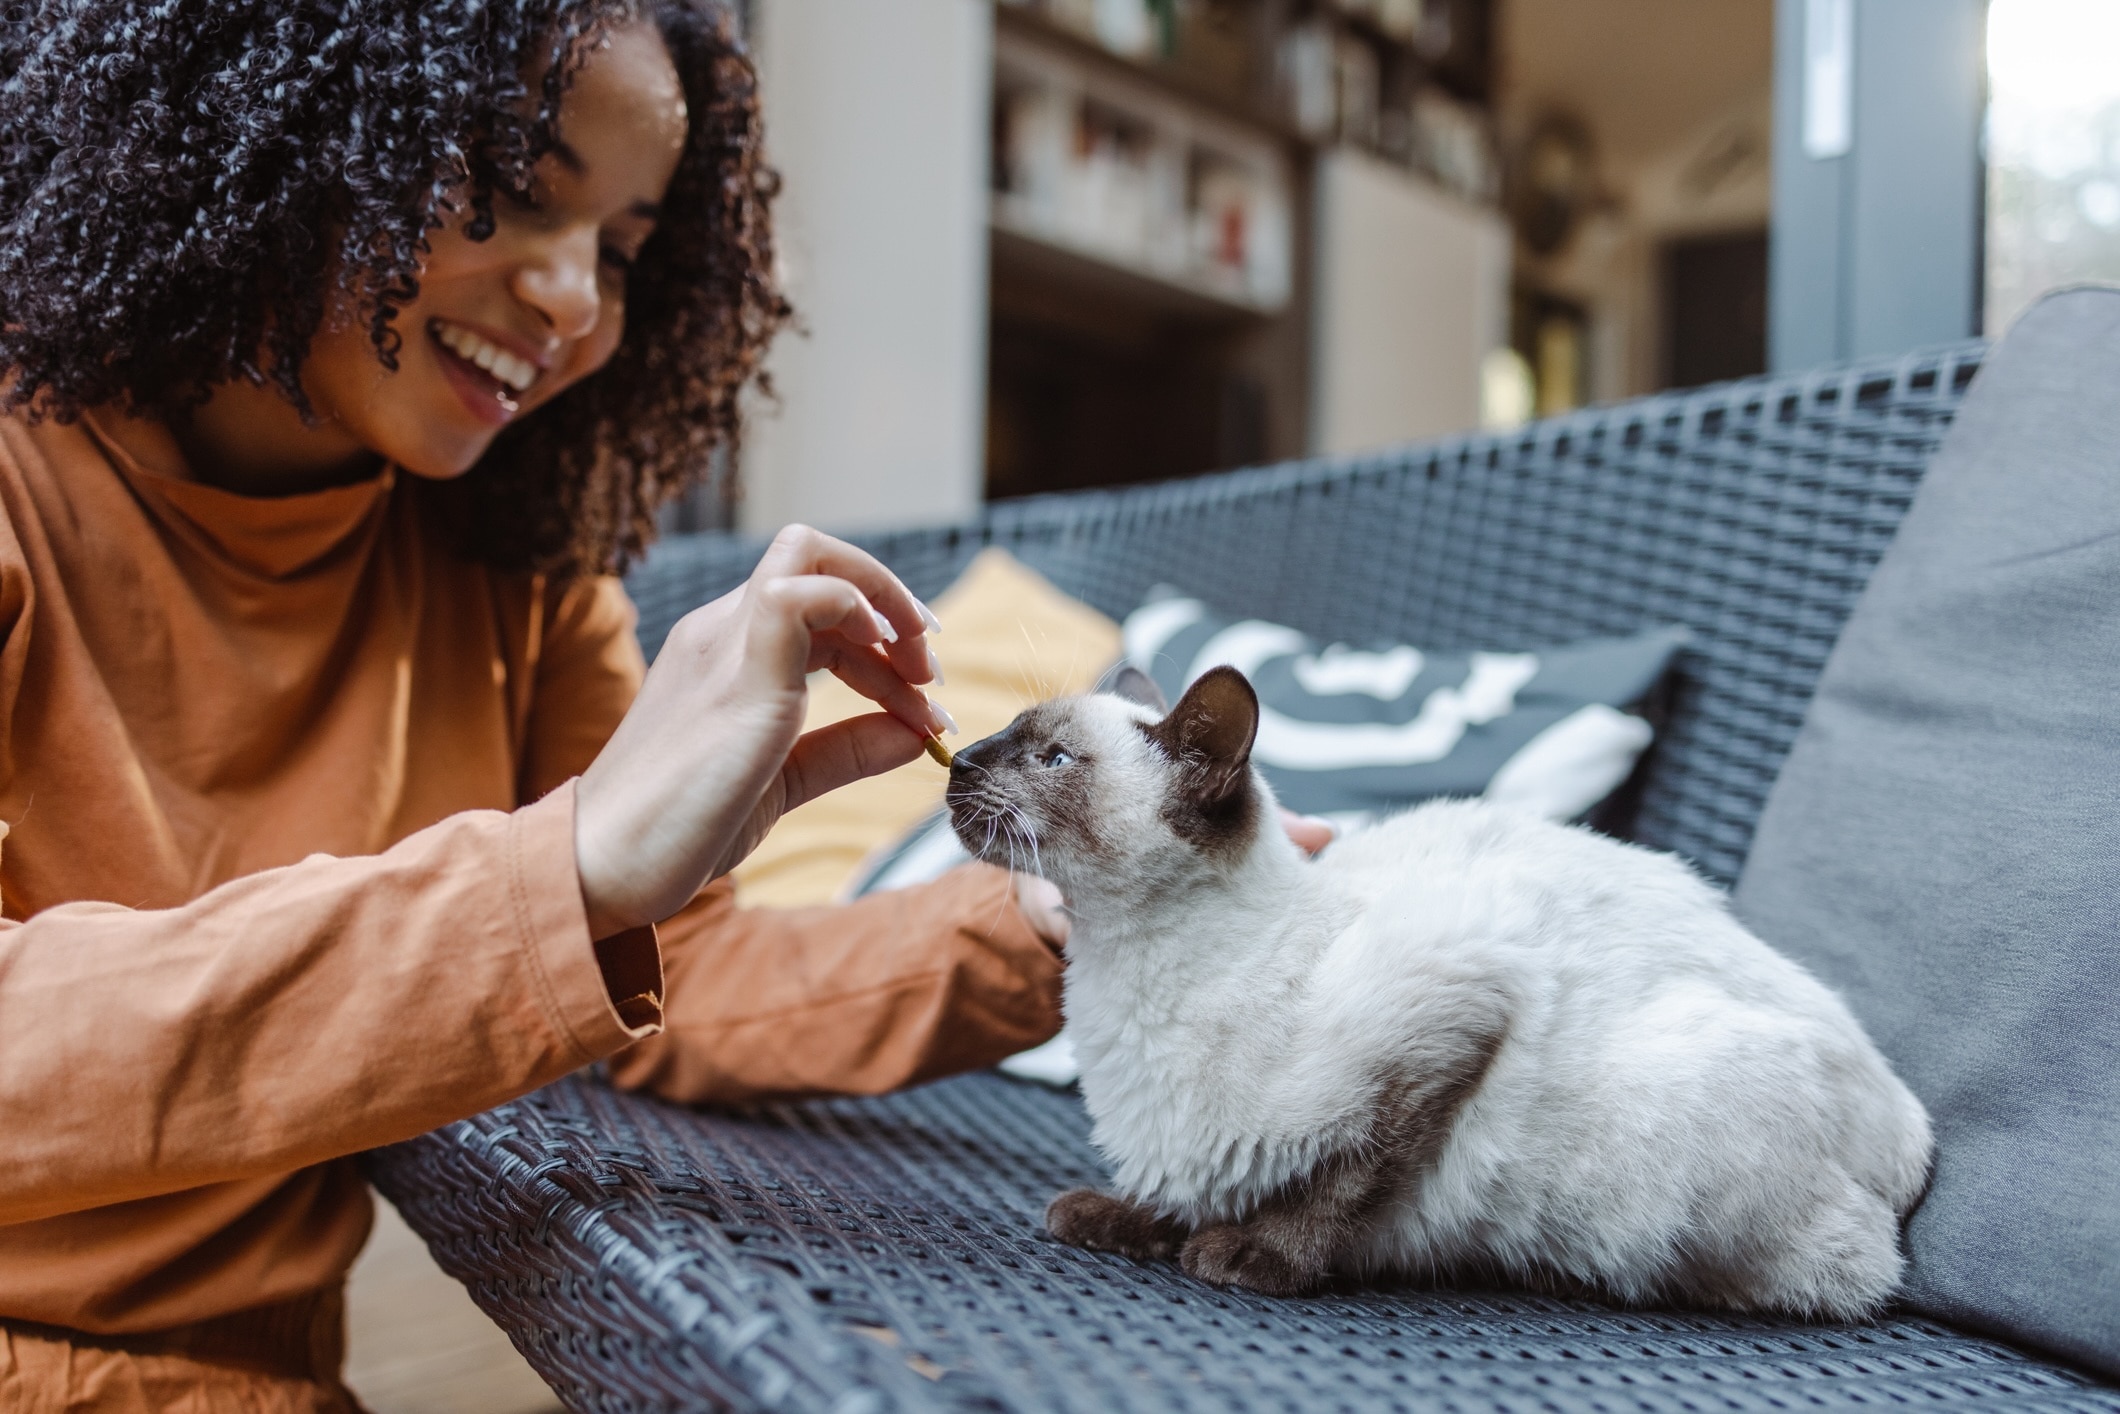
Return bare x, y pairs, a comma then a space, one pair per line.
1044, 909
1309, 832
816, 621
793, 611
845, 752
799, 550
870, 674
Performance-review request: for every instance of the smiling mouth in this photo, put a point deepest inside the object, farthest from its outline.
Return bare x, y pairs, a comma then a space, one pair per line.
486, 365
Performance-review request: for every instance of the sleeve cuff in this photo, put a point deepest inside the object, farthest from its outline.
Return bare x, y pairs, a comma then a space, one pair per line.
631, 964
600, 994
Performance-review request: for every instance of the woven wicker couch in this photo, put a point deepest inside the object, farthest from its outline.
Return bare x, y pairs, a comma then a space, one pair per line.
888, 1254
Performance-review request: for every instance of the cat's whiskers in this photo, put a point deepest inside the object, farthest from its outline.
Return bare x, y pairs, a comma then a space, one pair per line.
995, 814
1040, 668
1030, 838
992, 821
1009, 833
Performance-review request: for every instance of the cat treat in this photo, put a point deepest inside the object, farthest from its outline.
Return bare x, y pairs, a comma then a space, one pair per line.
1462, 1044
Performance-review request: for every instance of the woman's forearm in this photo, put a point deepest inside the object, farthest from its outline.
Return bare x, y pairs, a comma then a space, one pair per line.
888, 991
298, 1014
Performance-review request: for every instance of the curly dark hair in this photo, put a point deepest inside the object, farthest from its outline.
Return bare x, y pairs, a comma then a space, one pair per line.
181, 181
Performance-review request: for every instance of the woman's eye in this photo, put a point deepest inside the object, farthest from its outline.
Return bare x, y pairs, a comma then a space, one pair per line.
617, 259
1058, 757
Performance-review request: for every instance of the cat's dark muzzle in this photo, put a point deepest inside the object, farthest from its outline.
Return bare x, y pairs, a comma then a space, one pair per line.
973, 802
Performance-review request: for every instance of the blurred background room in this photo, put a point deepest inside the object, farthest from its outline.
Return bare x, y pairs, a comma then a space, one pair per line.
1035, 245
1044, 244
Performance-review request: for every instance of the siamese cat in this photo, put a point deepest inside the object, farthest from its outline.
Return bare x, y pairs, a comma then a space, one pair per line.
1462, 1044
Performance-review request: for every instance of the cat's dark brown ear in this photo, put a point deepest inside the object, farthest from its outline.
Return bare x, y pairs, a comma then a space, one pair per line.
1135, 686
1211, 730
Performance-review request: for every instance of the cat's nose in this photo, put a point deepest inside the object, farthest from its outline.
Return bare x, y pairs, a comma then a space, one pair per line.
979, 756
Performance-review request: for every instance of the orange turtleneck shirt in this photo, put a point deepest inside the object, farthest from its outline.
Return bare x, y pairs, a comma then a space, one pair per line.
288, 873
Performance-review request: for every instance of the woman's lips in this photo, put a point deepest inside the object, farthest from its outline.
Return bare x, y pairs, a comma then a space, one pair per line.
484, 396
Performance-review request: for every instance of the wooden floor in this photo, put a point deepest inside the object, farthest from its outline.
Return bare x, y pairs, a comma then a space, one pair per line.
416, 1344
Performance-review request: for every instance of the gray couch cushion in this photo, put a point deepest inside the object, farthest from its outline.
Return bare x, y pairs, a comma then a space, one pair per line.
1943, 845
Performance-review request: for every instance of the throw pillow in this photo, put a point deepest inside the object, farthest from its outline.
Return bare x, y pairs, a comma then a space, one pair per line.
1942, 843
1350, 733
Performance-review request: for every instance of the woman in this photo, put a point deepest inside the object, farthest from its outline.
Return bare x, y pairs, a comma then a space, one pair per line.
351, 351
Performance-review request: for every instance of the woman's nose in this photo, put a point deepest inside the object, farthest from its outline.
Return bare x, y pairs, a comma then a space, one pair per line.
560, 284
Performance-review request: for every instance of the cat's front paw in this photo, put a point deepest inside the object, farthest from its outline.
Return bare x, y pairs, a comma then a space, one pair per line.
1243, 1254
1083, 1217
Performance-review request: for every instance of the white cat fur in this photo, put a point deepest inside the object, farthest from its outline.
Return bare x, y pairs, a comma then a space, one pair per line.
1675, 1112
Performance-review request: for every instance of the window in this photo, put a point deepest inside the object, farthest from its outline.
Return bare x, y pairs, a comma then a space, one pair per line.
2053, 150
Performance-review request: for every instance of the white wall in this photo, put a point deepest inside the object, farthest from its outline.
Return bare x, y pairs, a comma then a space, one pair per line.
877, 117
1412, 292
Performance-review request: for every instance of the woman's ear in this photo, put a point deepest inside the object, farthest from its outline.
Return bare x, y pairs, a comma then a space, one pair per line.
1212, 729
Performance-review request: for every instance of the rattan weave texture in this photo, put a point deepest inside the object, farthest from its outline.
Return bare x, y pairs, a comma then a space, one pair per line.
888, 1254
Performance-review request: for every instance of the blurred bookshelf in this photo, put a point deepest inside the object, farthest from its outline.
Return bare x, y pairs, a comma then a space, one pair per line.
1155, 211
1115, 169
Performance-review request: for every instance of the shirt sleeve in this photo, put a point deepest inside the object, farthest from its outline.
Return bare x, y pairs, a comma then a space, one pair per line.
857, 999
297, 1014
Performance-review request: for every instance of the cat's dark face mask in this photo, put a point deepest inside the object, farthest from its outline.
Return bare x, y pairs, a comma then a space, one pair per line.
1084, 784
1027, 790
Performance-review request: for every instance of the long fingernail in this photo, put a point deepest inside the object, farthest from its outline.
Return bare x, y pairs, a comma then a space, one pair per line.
927, 616
935, 669
883, 626
943, 720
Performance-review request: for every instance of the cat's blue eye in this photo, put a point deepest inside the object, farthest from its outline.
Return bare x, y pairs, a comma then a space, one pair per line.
1057, 757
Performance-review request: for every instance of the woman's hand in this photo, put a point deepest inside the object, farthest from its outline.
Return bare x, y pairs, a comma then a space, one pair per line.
713, 751
1044, 909
1309, 832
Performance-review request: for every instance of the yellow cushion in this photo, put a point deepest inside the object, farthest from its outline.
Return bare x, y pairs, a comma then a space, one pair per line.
1008, 639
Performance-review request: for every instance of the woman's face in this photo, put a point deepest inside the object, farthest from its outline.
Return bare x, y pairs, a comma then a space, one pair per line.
503, 325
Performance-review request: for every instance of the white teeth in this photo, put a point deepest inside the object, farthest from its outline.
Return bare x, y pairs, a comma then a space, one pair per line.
517, 373
513, 371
